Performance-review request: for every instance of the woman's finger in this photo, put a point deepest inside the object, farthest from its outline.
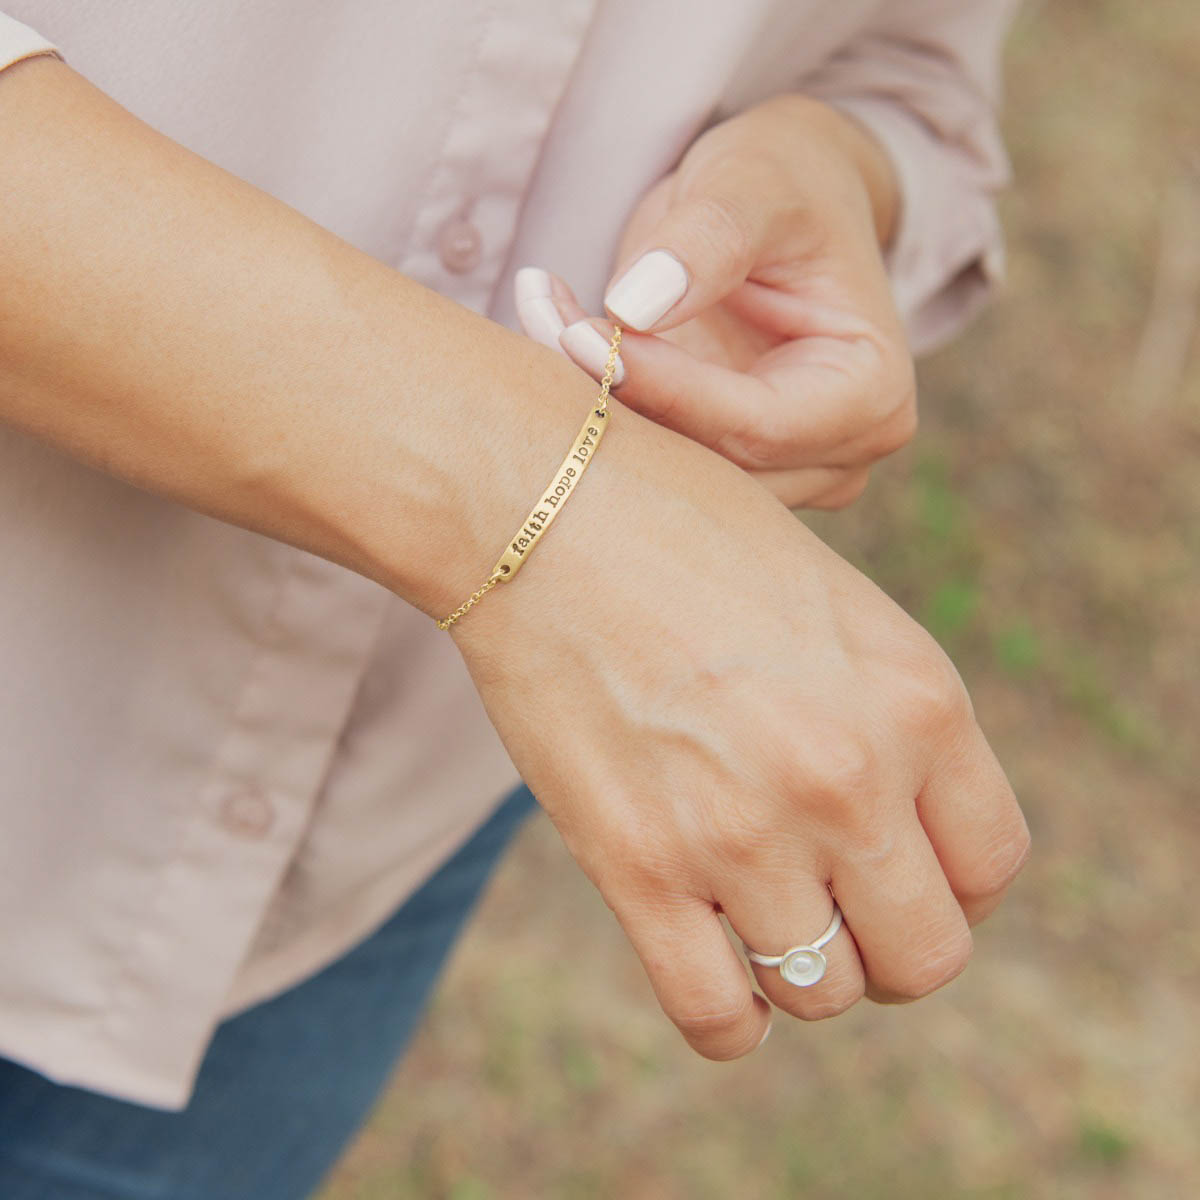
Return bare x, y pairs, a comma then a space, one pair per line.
844, 492
815, 487
911, 933
539, 296
547, 309
974, 824
696, 974
547, 306
821, 400
720, 212
798, 405
779, 912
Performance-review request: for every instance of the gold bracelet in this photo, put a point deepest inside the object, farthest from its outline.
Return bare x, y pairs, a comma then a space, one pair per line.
561, 486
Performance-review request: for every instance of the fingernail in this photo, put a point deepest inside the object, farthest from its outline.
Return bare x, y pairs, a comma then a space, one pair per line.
542, 322
531, 283
766, 1033
589, 347
648, 290
538, 312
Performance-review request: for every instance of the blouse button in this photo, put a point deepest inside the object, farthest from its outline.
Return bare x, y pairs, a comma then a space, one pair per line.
460, 245
248, 813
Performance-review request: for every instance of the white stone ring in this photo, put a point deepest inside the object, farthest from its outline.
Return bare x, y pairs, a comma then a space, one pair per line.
801, 965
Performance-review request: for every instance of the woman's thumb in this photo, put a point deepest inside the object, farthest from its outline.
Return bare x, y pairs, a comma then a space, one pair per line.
699, 251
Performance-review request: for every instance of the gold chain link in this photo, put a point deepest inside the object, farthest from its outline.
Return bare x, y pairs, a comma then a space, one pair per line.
610, 368
470, 602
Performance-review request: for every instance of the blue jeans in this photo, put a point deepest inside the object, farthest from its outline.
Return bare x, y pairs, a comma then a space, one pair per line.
284, 1085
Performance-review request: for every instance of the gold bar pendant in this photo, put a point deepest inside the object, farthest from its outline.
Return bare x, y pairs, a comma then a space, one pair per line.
555, 496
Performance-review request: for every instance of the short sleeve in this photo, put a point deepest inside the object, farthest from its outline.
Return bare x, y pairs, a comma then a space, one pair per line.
19, 42
924, 78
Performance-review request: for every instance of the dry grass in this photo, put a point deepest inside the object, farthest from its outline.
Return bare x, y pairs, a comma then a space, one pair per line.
1047, 527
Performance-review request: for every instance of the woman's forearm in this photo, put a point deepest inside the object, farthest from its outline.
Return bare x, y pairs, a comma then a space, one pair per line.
171, 324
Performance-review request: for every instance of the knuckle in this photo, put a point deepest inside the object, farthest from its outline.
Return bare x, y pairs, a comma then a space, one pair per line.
900, 428
936, 699
836, 771
628, 853
741, 845
713, 1025
647, 875
932, 968
1007, 855
723, 226
892, 386
786, 488
753, 446
887, 370
846, 493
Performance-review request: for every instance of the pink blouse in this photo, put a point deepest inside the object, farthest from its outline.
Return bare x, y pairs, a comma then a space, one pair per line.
224, 761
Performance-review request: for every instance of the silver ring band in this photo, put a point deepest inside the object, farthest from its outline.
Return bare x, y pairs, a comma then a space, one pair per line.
801, 965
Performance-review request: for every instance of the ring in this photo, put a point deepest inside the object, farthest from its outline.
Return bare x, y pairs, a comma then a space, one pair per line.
801, 965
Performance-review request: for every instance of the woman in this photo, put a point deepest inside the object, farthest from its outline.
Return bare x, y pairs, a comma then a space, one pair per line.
263, 419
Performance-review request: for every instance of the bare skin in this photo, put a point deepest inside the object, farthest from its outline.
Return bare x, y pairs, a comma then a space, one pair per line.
713, 708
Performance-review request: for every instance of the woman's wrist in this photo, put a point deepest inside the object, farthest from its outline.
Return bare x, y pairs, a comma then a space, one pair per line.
875, 167
507, 414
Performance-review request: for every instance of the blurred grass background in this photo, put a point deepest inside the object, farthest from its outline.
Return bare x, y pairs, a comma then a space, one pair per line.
1046, 527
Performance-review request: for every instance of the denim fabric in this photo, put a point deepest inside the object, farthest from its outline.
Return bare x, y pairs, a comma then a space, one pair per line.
283, 1086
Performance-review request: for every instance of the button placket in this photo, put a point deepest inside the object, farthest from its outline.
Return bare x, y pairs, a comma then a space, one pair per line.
468, 218
234, 845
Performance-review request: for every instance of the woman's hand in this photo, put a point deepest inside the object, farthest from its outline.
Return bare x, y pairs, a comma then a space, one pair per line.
719, 714
756, 265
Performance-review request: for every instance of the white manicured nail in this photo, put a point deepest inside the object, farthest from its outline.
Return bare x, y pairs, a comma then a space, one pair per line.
531, 283
541, 321
766, 1033
589, 347
539, 314
648, 290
